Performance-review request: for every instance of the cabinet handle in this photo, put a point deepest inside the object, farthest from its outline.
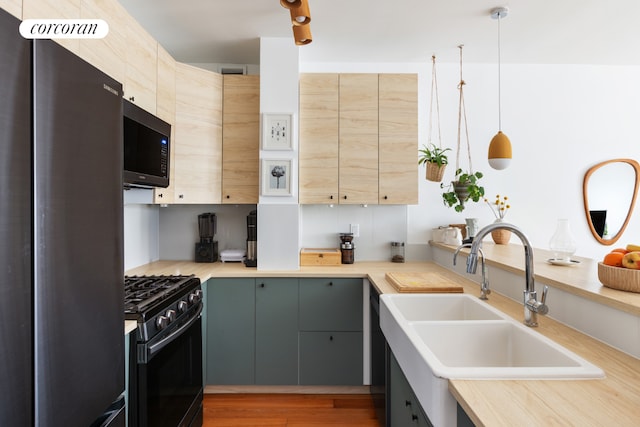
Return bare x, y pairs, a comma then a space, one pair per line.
385, 197
132, 98
181, 196
330, 283
414, 417
160, 195
262, 285
331, 338
407, 403
331, 197
228, 196
345, 197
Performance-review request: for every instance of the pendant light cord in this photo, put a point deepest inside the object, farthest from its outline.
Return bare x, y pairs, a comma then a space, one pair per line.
499, 79
462, 115
434, 96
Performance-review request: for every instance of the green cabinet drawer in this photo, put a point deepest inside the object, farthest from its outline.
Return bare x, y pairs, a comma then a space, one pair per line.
330, 358
404, 408
330, 304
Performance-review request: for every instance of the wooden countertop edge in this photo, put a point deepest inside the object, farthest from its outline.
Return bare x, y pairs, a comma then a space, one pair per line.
496, 402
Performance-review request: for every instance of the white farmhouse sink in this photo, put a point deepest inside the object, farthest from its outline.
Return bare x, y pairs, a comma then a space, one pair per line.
437, 337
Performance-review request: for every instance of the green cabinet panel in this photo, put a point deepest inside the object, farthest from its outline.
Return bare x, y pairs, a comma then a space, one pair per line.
276, 331
230, 331
330, 304
404, 408
330, 358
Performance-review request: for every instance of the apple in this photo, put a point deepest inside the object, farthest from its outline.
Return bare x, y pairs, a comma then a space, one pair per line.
631, 260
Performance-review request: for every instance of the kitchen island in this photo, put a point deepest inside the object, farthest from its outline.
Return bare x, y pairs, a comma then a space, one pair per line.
614, 400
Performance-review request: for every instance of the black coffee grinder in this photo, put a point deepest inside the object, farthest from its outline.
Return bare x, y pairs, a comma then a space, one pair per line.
252, 239
207, 248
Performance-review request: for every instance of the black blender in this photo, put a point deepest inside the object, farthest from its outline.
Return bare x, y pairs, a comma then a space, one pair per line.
207, 248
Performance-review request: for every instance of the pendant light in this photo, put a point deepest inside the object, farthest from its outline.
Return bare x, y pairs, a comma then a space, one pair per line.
300, 14
500, 147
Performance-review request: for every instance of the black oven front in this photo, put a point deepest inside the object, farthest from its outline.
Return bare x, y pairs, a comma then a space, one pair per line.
166, 389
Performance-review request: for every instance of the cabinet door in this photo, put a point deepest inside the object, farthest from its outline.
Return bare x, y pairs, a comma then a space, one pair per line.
198, 141
240, 139
331, 304
230, 331
398, 139
141, 66
404, 408
109, 53
166, 110
277, 331
358, 139
318, 153
331, 358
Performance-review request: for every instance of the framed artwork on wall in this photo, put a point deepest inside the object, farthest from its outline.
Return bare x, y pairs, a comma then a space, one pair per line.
276, 177
277, 131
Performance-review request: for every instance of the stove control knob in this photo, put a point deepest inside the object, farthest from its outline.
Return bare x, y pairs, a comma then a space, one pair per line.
171, 315
195, 297
162, 322
182, 306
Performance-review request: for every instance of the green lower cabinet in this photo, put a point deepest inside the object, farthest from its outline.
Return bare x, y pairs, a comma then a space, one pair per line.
231, 323
331, 358
404, 408
276, 331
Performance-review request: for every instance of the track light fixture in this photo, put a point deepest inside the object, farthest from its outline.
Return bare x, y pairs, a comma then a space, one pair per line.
300, 14
300, 18
302, 34
289, 4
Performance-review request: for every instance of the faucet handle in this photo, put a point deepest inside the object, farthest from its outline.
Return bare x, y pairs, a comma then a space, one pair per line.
545, 290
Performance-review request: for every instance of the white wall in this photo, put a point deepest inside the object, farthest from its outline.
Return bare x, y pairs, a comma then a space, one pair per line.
561, 119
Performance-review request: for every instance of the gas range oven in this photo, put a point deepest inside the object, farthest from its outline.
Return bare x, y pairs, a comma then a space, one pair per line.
165, 380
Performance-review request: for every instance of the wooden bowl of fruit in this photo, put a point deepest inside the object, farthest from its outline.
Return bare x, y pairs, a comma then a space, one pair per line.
620, 269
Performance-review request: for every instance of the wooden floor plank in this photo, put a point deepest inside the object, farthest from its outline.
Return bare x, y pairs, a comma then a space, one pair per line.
288, 410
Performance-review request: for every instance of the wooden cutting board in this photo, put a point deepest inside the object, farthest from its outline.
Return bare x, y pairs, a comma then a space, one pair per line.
422, 282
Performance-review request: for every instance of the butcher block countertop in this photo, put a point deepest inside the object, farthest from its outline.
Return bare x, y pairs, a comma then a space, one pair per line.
614, 400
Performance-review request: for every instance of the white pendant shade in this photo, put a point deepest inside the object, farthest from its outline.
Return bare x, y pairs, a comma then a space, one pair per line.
500, 151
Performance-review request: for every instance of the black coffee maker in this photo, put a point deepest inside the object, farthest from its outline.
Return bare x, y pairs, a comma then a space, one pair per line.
207, 248
252, 239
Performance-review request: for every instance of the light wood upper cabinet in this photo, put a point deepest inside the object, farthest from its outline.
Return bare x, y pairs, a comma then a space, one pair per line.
52, 9
198, 136
107, 54
141, 66
358, 160
397, 139
358, 138
240, 139
318, 153
166, 110
14, 7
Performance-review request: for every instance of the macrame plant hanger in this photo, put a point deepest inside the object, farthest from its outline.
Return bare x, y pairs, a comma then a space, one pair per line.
434, 171
462, 116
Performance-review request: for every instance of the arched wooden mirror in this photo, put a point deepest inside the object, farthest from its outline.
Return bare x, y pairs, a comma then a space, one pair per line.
609, 191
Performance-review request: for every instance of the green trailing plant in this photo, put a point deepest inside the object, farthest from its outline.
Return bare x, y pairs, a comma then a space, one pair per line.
465, 187
433, 154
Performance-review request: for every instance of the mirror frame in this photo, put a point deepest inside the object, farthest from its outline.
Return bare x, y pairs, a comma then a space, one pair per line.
636, 167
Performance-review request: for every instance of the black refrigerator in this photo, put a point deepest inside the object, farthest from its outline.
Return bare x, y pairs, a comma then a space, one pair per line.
61, 238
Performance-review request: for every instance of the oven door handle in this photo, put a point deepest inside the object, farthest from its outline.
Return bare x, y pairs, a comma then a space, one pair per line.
155, 348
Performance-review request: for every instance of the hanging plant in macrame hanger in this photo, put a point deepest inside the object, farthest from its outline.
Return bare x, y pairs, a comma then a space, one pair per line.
466, 183
434, 156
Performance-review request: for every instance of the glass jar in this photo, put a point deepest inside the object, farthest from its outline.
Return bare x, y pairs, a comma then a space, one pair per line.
397, 251
562, 243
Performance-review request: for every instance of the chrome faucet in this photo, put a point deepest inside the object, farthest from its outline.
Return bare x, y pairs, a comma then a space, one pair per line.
531, 306
484, 286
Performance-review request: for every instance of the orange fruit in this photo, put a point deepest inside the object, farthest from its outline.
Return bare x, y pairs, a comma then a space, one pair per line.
621, 250
614, 259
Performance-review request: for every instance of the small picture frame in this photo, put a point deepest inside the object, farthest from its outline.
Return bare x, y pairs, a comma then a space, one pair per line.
276, 177
277, 130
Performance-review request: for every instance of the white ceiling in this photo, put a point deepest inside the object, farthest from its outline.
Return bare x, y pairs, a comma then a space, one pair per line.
536, 31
